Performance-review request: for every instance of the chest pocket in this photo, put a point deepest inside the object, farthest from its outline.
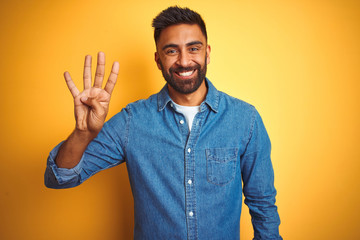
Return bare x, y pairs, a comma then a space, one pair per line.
221, 165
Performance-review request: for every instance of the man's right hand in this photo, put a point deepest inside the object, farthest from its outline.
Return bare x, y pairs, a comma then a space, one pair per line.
91, 108
92, 104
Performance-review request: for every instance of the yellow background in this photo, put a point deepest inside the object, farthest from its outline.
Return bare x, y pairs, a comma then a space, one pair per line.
298, 62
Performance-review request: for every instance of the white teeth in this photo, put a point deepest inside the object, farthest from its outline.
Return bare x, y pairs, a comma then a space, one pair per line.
185, 74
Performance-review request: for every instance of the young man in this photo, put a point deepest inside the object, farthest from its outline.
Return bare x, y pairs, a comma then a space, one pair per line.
187, 148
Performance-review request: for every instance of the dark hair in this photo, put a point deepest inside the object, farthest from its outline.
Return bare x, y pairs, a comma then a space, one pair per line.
176, 15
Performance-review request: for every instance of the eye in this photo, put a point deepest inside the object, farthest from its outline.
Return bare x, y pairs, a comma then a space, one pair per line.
171, 51
194, 49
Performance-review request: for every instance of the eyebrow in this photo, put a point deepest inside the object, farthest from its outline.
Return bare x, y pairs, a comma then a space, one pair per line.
172, 45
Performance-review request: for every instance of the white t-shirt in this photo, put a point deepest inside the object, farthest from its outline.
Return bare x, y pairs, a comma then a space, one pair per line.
188, 111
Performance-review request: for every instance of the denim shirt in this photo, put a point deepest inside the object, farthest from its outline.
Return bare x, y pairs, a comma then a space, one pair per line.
186, 185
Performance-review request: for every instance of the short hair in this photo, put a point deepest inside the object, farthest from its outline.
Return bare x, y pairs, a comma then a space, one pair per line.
176, 15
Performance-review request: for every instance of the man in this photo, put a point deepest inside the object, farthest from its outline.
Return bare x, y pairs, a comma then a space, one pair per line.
187, 148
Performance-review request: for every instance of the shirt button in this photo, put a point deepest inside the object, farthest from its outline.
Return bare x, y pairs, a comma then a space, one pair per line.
171, 105
189, 182
181, 121
189, 150
191, 214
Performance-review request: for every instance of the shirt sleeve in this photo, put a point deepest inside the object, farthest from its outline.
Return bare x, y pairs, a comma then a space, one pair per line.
258, 180
105, 151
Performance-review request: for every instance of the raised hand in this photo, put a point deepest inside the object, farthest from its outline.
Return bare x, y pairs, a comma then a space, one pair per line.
92, 104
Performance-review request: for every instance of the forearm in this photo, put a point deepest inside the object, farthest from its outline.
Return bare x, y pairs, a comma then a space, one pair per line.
79, 157
73, 148
264, 216
258, 179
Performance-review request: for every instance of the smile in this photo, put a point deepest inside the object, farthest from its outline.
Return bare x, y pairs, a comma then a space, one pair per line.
185, 74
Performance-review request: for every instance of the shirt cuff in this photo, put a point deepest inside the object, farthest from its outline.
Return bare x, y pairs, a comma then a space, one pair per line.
63, 175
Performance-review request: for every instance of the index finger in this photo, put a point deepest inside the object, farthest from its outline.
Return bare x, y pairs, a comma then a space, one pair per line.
110, 84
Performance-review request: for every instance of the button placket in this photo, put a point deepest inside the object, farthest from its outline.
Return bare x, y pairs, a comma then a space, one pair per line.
189, 184
190, 189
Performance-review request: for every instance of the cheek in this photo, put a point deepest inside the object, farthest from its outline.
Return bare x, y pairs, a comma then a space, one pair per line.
167, 63
201, 60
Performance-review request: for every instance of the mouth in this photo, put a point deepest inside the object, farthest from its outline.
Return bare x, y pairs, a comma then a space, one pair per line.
185, 74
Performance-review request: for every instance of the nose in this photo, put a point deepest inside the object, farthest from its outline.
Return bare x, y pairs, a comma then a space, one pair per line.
183, 59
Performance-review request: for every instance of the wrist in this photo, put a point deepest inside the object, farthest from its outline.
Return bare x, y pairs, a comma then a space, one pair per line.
83, 136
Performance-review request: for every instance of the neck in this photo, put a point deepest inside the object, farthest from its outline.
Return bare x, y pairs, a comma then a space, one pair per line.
190, 99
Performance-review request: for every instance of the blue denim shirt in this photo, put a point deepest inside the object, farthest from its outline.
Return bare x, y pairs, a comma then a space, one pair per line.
186, 185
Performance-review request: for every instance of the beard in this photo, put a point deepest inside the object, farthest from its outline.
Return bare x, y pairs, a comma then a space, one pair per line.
185, 86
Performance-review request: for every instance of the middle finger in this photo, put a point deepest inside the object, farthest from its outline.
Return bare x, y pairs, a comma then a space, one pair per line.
100, 70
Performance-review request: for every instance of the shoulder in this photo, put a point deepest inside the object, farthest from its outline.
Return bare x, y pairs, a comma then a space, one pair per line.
133, 110
230, 103
142, 105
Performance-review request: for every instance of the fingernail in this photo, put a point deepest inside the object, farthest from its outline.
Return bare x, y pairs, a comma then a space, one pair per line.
83, 99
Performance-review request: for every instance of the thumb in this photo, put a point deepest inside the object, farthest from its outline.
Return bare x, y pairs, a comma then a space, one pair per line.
94, 104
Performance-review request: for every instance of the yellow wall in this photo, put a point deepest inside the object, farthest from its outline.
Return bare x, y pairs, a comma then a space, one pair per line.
298, 62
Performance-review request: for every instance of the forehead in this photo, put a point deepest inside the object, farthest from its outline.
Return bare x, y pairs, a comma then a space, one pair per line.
181, 34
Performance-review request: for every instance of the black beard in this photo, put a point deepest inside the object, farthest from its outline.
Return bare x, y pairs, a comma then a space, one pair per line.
185, 86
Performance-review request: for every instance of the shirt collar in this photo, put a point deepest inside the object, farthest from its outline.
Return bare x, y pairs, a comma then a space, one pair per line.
212, 97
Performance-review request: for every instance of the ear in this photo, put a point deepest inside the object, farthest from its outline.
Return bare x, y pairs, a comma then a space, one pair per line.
208, 50
157, 60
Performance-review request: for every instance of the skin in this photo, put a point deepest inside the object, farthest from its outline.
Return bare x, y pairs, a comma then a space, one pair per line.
183, 46
91, 107
179, 46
